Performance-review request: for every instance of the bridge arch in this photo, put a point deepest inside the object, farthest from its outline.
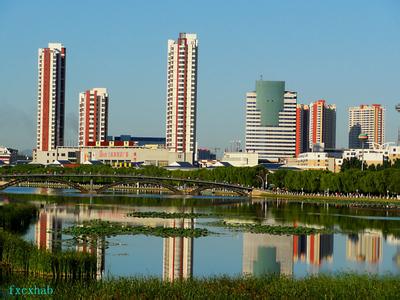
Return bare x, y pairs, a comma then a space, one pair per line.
140, 180
17, 181
197, 191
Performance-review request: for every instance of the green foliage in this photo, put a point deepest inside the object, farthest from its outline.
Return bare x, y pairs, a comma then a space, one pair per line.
270, 229
351, 181
164, 215
337, 286
21, 256
246, 176
16, 217
105, 228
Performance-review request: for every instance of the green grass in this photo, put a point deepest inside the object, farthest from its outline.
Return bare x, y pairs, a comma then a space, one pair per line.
17, 255
105, 228
342, 286
269, 229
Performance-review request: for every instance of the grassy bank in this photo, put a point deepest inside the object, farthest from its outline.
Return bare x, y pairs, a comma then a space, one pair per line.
17, 255
344, 286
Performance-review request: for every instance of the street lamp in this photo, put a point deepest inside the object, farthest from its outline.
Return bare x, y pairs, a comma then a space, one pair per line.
363, 137
262, 182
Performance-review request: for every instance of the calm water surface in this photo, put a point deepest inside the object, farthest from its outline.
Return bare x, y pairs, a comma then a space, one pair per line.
368, 241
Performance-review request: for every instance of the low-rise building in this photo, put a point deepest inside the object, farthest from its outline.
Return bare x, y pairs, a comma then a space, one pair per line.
374, 156
112, 155
241, 159
8, 155
315, 161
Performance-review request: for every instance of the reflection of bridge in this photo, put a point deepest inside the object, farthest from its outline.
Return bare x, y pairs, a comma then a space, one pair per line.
84, 182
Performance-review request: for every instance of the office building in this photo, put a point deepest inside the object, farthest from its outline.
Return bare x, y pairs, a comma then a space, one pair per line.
271, 121
93, 116
302, 128
322, 129
182, 93
51, 97
366, 119
138, 141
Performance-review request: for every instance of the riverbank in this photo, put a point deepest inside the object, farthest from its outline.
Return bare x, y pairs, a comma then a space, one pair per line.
258, 194
342, 286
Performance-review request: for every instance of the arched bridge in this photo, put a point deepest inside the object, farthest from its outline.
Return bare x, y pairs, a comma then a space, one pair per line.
84, 182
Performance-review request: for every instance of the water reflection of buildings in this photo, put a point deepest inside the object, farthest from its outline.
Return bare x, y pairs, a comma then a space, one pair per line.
266, 254
364, 247
48, 231
178, 253
97, 247
313, 249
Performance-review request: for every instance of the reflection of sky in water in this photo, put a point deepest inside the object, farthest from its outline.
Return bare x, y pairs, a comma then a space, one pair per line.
233, 253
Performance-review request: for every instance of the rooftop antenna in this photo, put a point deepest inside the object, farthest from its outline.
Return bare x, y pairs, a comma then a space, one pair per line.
261, 77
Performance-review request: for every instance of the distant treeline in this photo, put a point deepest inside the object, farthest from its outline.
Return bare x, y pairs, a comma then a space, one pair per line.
374, 180
245, 176
350, 181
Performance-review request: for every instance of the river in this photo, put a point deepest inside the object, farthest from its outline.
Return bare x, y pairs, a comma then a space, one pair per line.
365, 240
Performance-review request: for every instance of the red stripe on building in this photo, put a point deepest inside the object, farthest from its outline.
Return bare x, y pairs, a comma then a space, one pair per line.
314, 116
312, 252
177, 100
45, 99
87, 117
295, 245
43, 230
96, 134
185, 97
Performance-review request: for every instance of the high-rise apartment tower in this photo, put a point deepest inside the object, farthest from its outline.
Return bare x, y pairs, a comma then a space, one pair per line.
51, 97
322, 130
182, 93
367, 119
93, 116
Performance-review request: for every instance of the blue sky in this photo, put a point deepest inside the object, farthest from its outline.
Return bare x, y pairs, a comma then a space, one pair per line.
347, 52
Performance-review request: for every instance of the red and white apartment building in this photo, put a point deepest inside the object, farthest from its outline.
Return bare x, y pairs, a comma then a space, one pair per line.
182, 93
93, 116
51, 97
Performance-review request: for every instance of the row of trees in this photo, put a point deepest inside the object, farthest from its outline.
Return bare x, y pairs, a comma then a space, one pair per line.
244, 176
351, 181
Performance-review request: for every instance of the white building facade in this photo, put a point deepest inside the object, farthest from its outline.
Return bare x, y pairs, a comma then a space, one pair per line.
271, 139
93, 116
182, 93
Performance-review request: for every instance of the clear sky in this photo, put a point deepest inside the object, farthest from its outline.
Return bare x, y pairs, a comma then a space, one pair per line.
347, 52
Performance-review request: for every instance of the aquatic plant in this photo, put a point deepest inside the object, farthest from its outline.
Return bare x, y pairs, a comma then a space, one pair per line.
165, 215
106, 228
270, 229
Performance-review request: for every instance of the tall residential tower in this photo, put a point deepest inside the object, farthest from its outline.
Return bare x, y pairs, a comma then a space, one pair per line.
93, 116
271, 121
322, 129
182, 93
51, 97
368, 119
